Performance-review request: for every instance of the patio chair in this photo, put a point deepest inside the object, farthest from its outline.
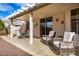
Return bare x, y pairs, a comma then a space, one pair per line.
17, 33
76, 44
23, 31
65, 46
49, 37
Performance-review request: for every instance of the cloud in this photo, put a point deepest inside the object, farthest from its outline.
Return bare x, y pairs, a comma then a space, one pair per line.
5, 10
1, 17
26, 4
5, 7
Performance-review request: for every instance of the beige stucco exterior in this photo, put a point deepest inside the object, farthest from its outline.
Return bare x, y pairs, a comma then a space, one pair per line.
57, 11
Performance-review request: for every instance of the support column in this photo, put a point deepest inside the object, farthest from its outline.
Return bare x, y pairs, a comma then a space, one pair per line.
31, 28
68, 20
11, 31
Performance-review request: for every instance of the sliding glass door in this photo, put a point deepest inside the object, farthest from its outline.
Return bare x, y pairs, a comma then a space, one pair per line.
42, 27
75, 20
46, 25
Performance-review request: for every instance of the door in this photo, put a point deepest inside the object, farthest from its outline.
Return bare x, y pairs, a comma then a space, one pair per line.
45, 26
42, 27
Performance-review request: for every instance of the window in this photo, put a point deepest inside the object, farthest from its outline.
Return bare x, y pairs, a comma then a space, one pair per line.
75, 20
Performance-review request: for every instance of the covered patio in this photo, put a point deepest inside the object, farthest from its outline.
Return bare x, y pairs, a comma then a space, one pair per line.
34, 15
61, 19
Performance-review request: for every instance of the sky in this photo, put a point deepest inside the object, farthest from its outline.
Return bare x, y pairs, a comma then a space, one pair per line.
7, 9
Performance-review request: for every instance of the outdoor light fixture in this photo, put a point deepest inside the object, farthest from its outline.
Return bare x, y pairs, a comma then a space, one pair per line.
62, 22
57, 20
36, 25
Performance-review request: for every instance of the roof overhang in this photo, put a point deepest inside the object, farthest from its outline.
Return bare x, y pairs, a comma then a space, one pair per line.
36, 7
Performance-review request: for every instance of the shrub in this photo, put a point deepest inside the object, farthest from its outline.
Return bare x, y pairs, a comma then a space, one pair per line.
2, 26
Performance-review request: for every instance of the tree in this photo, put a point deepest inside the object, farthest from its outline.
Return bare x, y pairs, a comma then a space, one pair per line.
2, 26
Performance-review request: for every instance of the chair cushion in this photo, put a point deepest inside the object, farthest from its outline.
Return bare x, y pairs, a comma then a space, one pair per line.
63, 44
56, 43
57, 39
68, 36
46, 38
51, 33
66, 45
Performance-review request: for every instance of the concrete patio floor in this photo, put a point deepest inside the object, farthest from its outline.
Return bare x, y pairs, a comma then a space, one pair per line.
37, 49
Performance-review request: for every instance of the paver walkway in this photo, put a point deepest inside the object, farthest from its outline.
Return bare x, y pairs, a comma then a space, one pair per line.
7, 49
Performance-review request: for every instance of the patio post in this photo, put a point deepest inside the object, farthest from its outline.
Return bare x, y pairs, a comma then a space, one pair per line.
31, 28
11, 28
11, 31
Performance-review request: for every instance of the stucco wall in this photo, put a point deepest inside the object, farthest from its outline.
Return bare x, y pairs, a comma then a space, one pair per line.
48, 12
58, 27
24, 17
60, 11
36, 30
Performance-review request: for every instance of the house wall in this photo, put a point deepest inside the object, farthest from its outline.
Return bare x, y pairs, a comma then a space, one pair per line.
58, 27
36, 30
24, 17
57, 11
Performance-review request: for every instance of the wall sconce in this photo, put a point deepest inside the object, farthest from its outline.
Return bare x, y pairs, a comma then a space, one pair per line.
57, 20
62, 22
36, 24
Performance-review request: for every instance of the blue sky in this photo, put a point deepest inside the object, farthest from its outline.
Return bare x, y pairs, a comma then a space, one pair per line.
8, 8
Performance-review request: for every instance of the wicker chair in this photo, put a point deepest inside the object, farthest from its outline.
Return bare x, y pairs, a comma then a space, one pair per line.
65, 46
76, 44
49, 37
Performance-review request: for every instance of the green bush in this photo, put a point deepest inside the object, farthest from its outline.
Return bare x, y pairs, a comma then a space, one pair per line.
2, 26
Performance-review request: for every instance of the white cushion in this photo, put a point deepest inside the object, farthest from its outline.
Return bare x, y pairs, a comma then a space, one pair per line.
68, 36
56, 43
51, 33
46, 38
63, 45
66, 45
